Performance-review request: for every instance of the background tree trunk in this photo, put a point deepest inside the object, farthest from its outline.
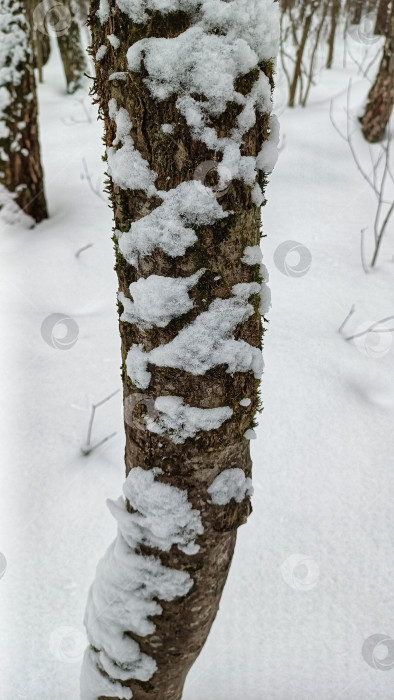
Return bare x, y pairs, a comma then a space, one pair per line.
382, 17
20, 164
41, 42
310, 11
335, 10
71, 51
381, 97
358, 6
179, 158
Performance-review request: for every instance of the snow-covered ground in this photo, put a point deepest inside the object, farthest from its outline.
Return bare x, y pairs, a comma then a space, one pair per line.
312, 575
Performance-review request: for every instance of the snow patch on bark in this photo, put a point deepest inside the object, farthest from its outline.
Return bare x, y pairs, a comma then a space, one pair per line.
113, 40
102, 50
179, 421
126, 166
229, 484
253, 256
163, 516
127, 587
268, 156
205, 343
169, 226
156, 300
94, 684
103, 11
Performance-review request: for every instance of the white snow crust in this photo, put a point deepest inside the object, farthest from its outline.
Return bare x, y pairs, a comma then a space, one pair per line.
169, 226
205, 343
229, 484
126, 166
128, 586
179, 421
156, 300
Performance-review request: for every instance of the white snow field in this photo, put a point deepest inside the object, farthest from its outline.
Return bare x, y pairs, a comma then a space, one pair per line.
308, 608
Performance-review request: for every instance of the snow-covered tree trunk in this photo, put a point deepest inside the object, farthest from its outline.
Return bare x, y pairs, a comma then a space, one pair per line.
185, 93
21, 177
381, 96
70, 47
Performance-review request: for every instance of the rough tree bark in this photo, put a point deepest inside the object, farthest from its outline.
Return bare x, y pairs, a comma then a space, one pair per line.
21, 173
381, 96
70, 47
181, 164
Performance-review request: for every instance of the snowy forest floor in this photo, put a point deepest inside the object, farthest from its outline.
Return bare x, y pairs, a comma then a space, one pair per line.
312, 575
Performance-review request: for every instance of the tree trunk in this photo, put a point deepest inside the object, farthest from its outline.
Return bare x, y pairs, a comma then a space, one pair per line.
381, 97
300, 52
41, 40
382, 18
335, 10
188, 263
71, 51
20, 165
357, 11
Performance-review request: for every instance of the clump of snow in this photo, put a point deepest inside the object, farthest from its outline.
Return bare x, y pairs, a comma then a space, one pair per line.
11, 212
168, 227
255, 21
126, 166
257, 195
94, 684
253, 256
102, 50
167, 128
179, 421
113, 40
157, 300
229, 484
205, 343
103, 11
268, 156
250, 434
245, 402
128, 586
265, 299
177, 65
163, 516
120, 75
